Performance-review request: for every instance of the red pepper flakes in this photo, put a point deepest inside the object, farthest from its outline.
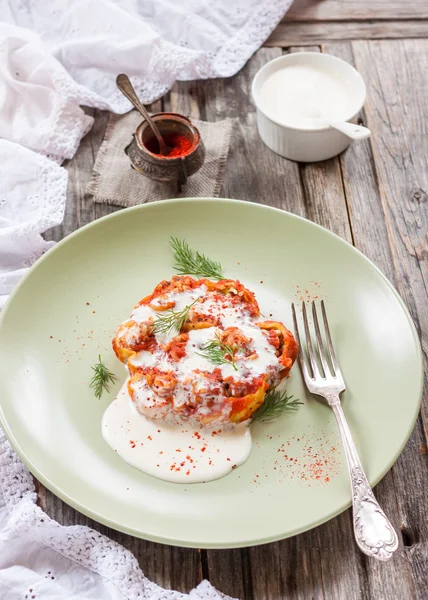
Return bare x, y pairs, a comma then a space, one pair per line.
203, 448
316, 462
161, 452
197, 435
133, 444
228, 459
172, 467
159, 430
179, 145
233, 467
188, 472
87, 304
178, 450
149, 437
51, 336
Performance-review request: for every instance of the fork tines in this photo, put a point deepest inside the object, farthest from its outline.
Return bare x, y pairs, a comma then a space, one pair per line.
322, 364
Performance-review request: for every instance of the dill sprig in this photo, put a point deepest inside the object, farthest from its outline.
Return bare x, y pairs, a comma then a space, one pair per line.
188, 262
101, 379
274, 405
172, 319
216, 352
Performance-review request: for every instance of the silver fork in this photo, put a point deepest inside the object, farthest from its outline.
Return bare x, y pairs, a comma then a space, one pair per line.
373, 531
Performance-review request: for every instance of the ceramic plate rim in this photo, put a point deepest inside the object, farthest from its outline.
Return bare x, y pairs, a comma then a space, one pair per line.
38, 474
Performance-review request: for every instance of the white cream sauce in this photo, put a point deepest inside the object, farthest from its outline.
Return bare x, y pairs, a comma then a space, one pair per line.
299, 94
180, 453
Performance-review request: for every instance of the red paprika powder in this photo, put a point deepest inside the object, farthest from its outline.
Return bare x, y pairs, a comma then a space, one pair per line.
179, 145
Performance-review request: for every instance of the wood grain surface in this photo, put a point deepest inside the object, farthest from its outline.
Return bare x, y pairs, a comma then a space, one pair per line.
290, 33
374, 196
338, 10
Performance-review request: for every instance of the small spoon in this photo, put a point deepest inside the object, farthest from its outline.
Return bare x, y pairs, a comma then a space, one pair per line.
127, 89
355, 132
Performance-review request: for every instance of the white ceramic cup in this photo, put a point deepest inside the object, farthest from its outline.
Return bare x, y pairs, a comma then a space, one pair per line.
296, 142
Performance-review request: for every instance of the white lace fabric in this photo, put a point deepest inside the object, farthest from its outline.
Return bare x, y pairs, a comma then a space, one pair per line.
41, 559
32, 199
55, 56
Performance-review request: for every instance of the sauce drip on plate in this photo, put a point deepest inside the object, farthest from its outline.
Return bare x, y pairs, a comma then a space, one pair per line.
177, 452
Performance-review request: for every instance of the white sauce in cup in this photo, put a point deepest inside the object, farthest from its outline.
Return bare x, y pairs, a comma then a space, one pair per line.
298, 95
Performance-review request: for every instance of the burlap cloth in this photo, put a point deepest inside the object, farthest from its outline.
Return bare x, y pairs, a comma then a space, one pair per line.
115, 182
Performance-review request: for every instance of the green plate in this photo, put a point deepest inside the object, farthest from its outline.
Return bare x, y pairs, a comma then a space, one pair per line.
65, 311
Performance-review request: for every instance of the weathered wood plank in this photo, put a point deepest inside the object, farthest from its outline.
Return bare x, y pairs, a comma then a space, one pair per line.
227, 570
325, 203
396, 109
249, 177
388, 223
340, 10
291, 33
175, 568
319, 564
79, 209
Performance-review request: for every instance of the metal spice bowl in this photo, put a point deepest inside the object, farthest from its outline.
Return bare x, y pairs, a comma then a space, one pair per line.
164, 168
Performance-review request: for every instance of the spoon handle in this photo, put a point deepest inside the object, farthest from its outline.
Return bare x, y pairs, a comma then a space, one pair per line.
356, 132
127, 89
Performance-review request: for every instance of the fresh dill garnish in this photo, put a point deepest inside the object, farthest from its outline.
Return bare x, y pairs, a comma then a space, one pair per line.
274, 405
172, 319
101, 379
188, 262
216, 352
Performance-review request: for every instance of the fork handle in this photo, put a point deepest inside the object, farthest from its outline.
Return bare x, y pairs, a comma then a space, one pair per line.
373, 531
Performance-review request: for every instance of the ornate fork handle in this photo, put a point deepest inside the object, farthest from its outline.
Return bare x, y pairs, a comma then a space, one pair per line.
373, 531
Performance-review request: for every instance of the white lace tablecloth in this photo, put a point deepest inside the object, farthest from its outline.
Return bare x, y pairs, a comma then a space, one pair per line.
56, 55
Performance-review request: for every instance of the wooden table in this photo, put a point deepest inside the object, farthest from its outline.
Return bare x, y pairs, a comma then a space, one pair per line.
374, 196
